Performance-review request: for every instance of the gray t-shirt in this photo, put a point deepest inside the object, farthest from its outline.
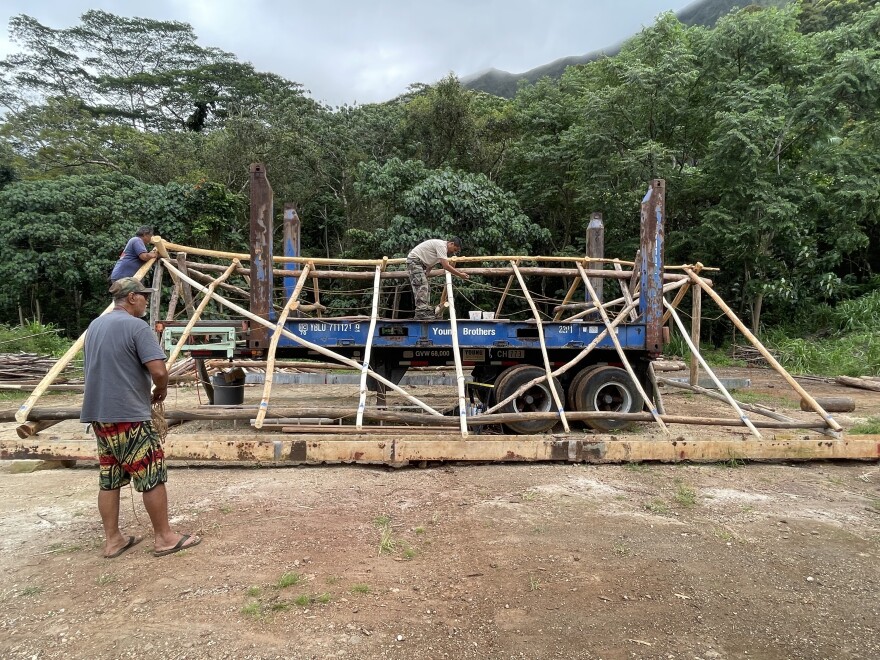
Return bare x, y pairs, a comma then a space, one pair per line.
429, 252
118, 384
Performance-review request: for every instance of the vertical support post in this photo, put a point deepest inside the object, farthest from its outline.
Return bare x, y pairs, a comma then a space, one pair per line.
185, 288
261, 253
651, 247
596, 250
696, 313
156, 296
291, 247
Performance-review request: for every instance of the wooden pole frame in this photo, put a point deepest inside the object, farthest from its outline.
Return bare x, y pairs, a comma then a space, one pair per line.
456, 353
362, 395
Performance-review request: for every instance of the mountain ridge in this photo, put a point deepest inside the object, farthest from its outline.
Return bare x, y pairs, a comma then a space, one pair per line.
503, 83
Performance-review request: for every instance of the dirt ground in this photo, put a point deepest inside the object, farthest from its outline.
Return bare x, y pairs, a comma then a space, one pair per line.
458, 560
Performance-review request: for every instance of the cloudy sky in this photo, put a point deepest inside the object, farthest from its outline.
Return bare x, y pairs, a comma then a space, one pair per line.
361, 51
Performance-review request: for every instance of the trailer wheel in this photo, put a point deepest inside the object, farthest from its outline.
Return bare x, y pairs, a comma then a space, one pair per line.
606, 389
538, 398
577, 383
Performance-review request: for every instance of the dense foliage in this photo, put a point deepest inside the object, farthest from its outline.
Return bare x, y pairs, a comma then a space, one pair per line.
765, 128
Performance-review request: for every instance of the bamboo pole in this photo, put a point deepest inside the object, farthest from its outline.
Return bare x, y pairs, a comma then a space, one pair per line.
374, 312
679, 296
611, 333
829, 420
243, 413
191, 269
317, 290
185, 289
197, 314
22, 415
156, 296
456, 353
503, 297
303, 342
670, 286
568, 365
30, 429
568, 296
718, 383
627, 294
550, 382
290, 306
652, 376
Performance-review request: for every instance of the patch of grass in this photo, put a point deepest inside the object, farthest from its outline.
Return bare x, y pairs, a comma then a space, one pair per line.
382, 521
657, 506
734, 460
63, 548
303, 600
105, 579
419, 530
280, 606
333, 579
722, 534
875, 504
870, 426
637, 467
409, 552
621, 550
225, 509
360, 588
323, 599
33, 590
289, 580
252, 610
534, 583
254, 592
745, 396
849, 353
529, 495
33, 337
387, 544
685, 496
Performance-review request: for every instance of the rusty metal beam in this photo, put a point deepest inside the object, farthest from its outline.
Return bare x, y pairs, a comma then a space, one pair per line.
261, 253
651, 250
308, 448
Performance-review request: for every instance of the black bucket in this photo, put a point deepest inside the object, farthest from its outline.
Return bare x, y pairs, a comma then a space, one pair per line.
227, 393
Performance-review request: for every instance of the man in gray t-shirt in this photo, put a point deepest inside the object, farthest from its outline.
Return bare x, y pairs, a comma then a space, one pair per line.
122, 360
419, 262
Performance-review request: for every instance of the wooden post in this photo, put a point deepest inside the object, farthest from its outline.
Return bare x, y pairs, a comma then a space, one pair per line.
568, 296
261, 202
184, 287
317, 292
596, 250
289, 307
547, 369
620, 352
763, 351
456, 353
696, 321
374, 311
291, 247
156, 296
627, 294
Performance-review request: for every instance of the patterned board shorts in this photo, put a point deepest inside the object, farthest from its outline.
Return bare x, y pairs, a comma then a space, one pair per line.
129, 451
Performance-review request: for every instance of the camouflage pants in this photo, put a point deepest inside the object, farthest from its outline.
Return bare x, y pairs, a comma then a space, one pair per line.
421, 290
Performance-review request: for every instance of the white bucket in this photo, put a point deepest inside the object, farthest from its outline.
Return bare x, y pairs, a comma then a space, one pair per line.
488, 316
475, 315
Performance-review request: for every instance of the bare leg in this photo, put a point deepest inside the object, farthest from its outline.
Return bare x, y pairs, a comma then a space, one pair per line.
108, 507
156, 503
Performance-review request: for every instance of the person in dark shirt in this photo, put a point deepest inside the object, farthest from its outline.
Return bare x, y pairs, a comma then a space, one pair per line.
134, 254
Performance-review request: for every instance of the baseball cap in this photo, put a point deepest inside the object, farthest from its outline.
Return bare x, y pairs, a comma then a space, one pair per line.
126, 285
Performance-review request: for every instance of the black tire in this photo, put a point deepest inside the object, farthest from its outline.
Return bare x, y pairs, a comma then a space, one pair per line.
537, 398
606, 389
576, 384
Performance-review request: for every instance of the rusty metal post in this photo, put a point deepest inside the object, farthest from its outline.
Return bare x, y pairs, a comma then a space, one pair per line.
596, 250
651, 246
261, 253
291, 249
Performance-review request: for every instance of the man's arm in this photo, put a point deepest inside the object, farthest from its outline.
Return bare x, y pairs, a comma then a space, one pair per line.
146, 256
159, 374
444, 263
